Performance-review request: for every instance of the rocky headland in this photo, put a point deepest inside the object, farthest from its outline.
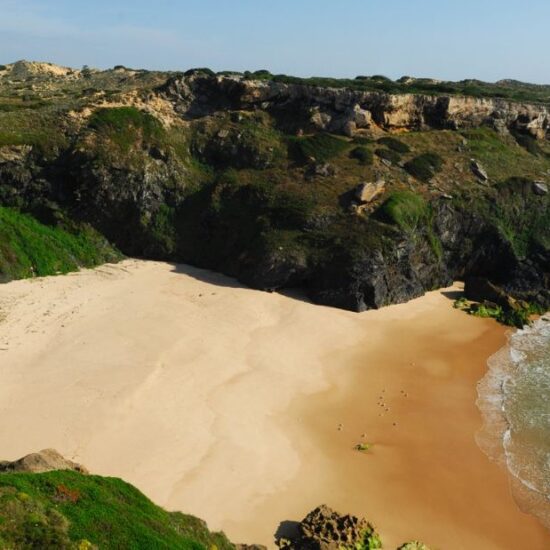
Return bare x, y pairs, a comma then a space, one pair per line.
258, 178
364, 193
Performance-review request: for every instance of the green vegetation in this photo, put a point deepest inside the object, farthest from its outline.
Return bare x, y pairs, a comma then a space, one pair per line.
394, 145
29, 248
126, 126
413, 215
425, 166
200, 70
529, 143
363, 155
237, 140
406, 209
371, 540
362, 140
362, 447
512, 90
319, 147
68, 510
506, 156
520, 216
388, 154
517, 317
414, 545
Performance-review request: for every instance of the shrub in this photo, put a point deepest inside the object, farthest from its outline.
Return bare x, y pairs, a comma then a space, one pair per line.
29, 248
125, 125
405, 209
320, 147
380, 78
361, 140
394, 145
529, 143
3, 67
424, 167
200, 70
460, 303
388, 154
363, 155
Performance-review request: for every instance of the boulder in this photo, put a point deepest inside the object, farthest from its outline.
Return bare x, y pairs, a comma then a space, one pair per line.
14, 153
540, 188
46, 460
362, 117
325, 529
367, 191
478, 170
323, 169
480, 289
320, 120
350, 128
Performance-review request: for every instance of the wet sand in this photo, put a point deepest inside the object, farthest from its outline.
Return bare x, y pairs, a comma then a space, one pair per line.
243, 407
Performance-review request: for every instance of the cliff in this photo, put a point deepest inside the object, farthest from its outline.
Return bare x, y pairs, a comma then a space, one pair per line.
360, 195
344, 110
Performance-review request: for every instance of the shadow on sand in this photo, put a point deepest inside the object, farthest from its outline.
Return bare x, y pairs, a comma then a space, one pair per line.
452, 294
218, 279
207, 276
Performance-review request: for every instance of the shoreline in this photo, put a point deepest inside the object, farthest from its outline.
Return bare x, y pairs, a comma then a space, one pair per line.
418, 480
509, 366
225, 402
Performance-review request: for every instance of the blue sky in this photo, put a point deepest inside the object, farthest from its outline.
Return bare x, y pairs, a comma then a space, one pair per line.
449, 39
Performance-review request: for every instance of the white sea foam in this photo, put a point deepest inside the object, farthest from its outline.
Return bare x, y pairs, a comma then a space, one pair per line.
514, 398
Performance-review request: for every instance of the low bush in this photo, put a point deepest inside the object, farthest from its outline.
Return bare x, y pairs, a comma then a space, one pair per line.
200, 70
320, 147
395, 145
529, 143
362, 140
388, 154
424, 167
405, 209
126, 126
363, 155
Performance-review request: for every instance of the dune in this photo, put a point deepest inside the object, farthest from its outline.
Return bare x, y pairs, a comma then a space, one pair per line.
243, 407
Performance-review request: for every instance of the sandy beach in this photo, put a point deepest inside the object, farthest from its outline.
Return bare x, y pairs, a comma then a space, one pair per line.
243, 407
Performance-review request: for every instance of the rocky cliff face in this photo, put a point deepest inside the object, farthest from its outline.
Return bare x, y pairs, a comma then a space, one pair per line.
312, 108
243, 176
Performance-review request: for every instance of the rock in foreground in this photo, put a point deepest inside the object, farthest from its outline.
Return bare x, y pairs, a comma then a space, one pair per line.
47, 460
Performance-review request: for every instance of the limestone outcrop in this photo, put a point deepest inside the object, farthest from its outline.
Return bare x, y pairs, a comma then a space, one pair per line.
343, 110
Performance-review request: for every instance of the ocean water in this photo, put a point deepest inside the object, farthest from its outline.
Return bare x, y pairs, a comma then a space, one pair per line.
514, 398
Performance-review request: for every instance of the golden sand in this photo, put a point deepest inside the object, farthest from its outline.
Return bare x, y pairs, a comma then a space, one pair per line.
243, 407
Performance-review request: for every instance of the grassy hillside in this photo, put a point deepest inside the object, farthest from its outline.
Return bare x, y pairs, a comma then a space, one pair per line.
29, 248
68, 510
